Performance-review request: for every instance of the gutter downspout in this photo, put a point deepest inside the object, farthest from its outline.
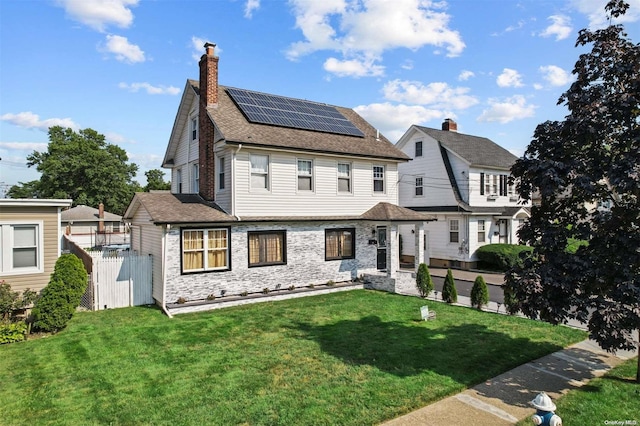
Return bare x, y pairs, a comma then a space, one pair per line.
233, 187
163, 248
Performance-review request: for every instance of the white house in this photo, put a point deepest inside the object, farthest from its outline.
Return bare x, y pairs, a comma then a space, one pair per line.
269, 192
464, 181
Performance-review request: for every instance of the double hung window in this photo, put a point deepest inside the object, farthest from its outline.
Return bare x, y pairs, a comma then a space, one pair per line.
378, 178
305, 175
344, 177
454, 231
259, 171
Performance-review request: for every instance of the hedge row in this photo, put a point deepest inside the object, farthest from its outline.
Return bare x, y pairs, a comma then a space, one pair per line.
501, 257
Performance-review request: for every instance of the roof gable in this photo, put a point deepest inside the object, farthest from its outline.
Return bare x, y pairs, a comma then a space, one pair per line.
475, 150
189, 94
165, 207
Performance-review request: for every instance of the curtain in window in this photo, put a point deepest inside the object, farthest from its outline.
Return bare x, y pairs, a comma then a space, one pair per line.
193, 248
333, 245
217, 253
346, 244
266, 248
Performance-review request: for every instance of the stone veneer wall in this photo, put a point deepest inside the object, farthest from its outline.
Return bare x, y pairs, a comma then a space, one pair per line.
305, 262
403, 283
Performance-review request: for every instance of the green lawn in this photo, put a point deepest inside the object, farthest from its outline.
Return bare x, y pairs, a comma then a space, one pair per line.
357, 357
605, 400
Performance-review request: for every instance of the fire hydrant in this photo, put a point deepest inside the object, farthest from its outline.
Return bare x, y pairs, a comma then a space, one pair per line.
545, 408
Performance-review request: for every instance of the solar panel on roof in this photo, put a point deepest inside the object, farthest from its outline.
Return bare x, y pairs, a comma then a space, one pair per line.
295, 113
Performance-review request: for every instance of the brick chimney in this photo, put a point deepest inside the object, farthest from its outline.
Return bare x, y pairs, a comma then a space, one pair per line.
449, 125
208, 99
101, 218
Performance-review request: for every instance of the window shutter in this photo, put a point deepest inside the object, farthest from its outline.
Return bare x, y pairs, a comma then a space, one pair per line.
481, 183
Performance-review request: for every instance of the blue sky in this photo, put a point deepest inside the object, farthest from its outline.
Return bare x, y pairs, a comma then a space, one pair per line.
119, 66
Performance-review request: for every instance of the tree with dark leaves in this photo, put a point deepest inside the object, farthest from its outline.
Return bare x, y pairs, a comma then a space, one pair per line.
587, 171
81, 166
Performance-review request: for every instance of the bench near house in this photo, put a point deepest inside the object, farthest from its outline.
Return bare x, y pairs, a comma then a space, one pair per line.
269, 192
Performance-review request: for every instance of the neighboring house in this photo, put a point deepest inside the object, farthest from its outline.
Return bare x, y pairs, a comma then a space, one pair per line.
268, 192
30, 241
91, 227
464, 181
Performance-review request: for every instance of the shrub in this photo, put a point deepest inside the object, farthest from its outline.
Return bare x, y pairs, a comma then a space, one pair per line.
61, 297
510, 301
12, 331
479, 293
331, 283
12, 301
502, 257
449, 292
423, 280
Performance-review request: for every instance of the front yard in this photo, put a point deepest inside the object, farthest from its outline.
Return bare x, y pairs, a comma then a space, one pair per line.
357, 357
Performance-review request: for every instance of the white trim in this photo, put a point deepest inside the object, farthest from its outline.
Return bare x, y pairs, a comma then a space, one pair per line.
17, 202
7, 242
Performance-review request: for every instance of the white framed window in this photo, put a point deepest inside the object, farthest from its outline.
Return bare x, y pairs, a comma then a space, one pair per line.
22, 249
494, 187
221, 171
418, 149
481, 231
196, 178
205, 250
179, 181
259, 171
305, 175
344, 177
454, 231
194, 128
378, 178
419, 187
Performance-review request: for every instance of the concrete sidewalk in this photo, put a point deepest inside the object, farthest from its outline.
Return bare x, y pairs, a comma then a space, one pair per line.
504, 400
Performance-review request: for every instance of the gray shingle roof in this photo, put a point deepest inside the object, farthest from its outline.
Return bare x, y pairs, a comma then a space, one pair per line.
237, 129
84, 213
478, 151
164, 207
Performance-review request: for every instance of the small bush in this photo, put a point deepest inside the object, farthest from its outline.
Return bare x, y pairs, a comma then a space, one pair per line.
449, 292
181, 300
12, 301
265, 290
331, 283
211, 297
12, 332
292, 287
423, 280
70, 269
510, 301
479, 293
244, 293
502, 257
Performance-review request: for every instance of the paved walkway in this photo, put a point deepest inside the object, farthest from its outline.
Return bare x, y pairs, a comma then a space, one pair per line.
504, 400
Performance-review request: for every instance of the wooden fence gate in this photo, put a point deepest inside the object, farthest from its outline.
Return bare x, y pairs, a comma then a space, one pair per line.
122, 280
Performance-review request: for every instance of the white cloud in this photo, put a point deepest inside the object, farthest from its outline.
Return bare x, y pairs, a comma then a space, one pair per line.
509, 78
151, 90
509, 109
437, 95
560, 27
394, 120
25, 146
353, 67
407, 65
197, 47
145, 161
466, 75
250, 6
123, 50
29, 120
556, 76
368, 28
594, 10
98, 14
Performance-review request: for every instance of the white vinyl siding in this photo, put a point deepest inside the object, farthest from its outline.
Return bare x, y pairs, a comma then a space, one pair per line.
284, 199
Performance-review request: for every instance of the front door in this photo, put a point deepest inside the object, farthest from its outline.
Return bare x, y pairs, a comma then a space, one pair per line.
504, 236
382, 248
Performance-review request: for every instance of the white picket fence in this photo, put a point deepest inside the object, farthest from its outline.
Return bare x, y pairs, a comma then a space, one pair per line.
121, 280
